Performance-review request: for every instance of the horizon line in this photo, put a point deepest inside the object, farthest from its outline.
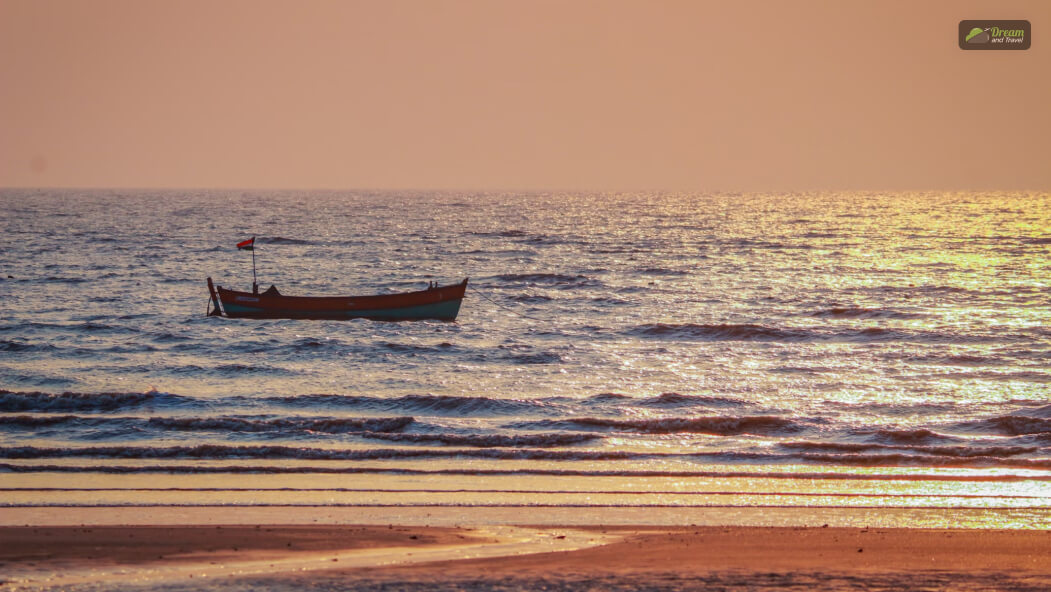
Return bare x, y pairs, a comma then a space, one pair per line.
511, 190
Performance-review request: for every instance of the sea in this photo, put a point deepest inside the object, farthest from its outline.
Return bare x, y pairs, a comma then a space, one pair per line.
654, 355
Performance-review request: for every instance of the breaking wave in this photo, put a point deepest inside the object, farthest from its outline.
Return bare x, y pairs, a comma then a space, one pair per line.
718, 425
1010, 425
288, 426
904, 436
228, 452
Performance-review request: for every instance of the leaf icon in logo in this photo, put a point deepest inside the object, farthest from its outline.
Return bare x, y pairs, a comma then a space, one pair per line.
977, 35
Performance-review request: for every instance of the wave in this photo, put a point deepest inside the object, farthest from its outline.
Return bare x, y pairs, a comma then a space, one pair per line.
603, 398
553, 279
540, 277
721, 332
419, 404
680, 400
120, 348
649, 288
236, 369
229, 452
1022, 375
281, 240
949, 359
235, 453
517, 471
716, 425
929, 290
493, 440
909, 460
327, 425
71, 401
375, 427
13, 401
308, 344
23, 347
93, 326
806, 370
30, 326
523, 236
905, 409
38, 421
950, 451
169, 337
1010, 425
751, 332
534, 358
662, 271
972, 360
858, 312
610, 300
519, 254
528, 298
1043, 411
752, 243
513, 233
413, 348
905, 436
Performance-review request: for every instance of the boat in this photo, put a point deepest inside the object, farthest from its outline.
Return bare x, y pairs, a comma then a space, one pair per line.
436, 302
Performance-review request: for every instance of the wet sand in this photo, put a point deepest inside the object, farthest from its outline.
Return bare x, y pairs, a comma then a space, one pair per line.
824, 557
503, 558
136, 545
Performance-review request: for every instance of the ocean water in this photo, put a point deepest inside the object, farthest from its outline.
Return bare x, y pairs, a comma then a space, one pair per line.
613, 351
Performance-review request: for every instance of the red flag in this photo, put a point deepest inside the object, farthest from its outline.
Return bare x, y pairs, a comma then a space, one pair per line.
248, 245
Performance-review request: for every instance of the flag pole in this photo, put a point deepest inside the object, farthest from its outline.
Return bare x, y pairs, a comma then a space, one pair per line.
250, 245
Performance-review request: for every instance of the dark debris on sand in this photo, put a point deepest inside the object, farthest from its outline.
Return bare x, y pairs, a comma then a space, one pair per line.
655, 582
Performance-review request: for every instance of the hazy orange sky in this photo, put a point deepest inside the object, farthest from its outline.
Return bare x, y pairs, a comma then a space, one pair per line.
566, 94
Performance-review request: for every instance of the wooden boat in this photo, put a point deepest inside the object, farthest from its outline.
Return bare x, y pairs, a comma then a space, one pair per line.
436, 302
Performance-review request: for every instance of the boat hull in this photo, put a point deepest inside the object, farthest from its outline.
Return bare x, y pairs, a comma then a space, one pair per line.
436, 303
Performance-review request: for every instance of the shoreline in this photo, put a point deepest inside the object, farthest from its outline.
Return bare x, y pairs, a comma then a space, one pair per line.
487, 557
1034, 518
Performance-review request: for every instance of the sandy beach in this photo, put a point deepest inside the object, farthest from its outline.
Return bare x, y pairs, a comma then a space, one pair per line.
386, 557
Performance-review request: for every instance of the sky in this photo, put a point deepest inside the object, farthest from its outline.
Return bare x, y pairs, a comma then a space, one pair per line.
748, 95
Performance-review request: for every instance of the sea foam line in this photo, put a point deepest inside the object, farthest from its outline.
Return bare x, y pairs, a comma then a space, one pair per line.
248, 469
